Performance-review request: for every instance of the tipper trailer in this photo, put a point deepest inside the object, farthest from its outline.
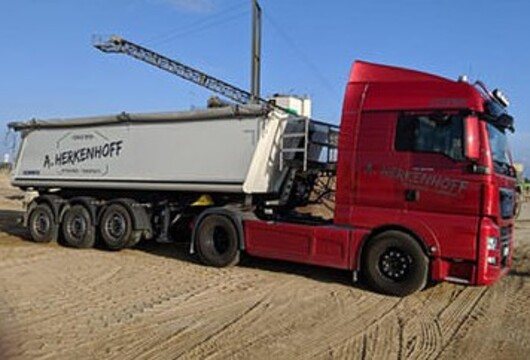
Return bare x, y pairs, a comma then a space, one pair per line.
425, 186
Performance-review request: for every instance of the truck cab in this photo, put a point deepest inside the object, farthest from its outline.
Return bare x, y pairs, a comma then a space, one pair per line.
428, 157
425, 186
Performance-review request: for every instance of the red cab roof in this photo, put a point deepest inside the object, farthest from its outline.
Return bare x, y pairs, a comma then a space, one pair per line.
394, 88
363, 71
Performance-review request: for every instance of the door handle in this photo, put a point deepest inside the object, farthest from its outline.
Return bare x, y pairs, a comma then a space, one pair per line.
412, 195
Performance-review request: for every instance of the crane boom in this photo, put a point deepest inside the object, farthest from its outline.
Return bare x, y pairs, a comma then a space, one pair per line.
116, 44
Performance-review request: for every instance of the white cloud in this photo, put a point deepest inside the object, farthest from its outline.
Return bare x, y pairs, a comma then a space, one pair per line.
196, 6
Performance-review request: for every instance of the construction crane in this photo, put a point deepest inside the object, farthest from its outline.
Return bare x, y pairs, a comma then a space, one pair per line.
116, 44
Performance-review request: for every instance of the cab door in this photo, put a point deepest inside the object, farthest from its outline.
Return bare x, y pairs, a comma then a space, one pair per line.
377, 167
439, 189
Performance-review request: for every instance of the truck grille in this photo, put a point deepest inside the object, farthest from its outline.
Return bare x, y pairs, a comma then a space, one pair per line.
506, 235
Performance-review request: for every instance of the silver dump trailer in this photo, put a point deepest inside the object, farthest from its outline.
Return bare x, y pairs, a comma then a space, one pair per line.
228, 149
133, 176
203, 150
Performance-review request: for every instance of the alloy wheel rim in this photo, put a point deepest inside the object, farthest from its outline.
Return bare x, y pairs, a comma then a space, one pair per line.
395, 264
78, 227
116, 226
42, 224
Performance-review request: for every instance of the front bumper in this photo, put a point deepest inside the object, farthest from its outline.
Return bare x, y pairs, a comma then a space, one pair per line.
494, 264
491, 264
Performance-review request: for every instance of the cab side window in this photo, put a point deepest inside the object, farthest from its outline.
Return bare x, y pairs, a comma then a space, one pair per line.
436, 133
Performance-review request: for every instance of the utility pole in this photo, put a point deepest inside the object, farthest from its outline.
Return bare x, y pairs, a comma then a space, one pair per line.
255, 85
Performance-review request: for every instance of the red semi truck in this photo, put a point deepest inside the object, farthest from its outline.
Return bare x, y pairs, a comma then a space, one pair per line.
425, 186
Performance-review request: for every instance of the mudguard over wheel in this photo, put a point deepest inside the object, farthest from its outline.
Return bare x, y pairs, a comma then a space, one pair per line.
217, 241
42, 225
116, 228
394, 263
78, 228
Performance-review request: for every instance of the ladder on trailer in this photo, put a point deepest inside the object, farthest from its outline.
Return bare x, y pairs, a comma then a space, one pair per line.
308, 145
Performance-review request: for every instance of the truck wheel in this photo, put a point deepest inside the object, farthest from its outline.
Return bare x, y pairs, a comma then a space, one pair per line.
78, 228
395, 264
135, 238
217, 241
42, 226
117, 228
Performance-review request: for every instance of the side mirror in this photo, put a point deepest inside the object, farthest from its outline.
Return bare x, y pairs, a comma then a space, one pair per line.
472, 138
506, 121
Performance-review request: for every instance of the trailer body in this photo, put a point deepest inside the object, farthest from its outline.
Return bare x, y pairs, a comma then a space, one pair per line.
207, 150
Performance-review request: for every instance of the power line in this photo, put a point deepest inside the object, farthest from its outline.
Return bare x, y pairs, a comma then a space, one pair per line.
203, 27
302, 56
192, 25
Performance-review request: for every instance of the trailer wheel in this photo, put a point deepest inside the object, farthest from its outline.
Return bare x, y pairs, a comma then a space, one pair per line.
42, 226
217, 241
135, 238
78, 229
395, 264
116, 228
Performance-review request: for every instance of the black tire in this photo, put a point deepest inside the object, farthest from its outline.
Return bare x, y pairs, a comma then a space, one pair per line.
135, 238
217, 241
42, 225
116, 228
394, 263
78, 228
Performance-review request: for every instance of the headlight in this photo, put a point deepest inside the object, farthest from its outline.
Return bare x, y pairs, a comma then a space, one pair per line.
492, 243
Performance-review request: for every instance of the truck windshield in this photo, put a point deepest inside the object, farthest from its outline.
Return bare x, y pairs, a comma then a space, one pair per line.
500, 150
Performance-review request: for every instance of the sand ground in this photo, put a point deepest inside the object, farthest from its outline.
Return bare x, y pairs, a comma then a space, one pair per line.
156, 301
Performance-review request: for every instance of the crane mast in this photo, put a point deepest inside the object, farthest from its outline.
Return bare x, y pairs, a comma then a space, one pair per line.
116, 44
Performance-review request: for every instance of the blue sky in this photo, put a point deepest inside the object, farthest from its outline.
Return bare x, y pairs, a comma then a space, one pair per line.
49, 68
